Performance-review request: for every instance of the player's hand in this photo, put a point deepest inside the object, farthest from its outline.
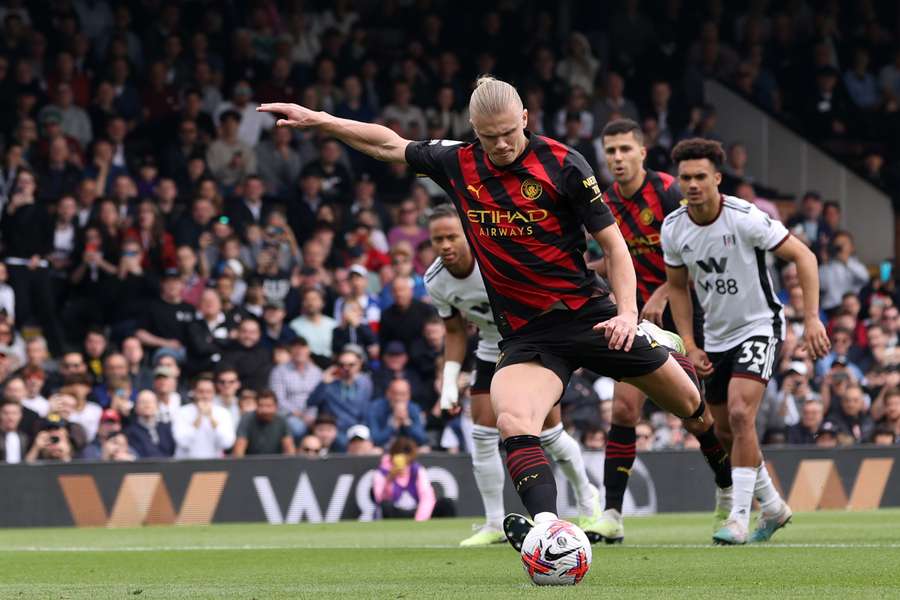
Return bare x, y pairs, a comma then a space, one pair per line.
815, 338
449, 394
295, 115
619, 331
701, 362
654, 309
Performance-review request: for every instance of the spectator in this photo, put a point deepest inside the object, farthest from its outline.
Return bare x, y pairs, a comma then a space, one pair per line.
292, 383
644, 435
275, 331
245, 353
252, 123
828, 435
395, 415
73, 119
891, 412
310, 446
313, 326
263, 431
202, 429
843, 272
34, 381
851, 415
147, 435
279, 164
229, 158
395, 365
325, 429
228, 386
401, 486
883, 436
613, 100
344, 392
116, 390
358, 280
165, 386
84, 412
52, 442
352, 330
13, 443
811, 416
249, 207
110, 426
805, 224
337, 182
404, 320
15, 391
165, 324
409, 117
207, 334
141, 376
360, 442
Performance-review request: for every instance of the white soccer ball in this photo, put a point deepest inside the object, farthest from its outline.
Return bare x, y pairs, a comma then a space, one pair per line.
556, 553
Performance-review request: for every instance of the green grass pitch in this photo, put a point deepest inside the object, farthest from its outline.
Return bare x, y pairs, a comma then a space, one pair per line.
821, 555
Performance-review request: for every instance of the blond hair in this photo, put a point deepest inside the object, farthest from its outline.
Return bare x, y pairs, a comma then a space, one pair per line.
492, 96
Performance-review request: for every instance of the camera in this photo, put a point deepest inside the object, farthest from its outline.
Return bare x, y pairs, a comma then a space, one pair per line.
54, 439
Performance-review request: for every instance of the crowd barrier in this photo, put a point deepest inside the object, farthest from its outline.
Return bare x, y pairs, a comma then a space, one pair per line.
292, 490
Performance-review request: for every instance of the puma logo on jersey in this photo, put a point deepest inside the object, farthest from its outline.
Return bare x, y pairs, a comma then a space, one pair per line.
475, 191
624, 470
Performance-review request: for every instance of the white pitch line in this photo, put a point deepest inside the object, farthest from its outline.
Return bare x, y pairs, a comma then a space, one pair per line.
886, 545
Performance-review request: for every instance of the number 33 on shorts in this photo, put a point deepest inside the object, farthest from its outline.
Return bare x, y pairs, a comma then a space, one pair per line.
757, 357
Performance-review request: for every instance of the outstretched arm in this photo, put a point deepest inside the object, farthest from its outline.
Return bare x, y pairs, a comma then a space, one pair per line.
376, 141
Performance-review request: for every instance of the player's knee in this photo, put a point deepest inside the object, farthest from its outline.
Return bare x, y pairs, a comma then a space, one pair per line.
625, 413
511, 424
741, 419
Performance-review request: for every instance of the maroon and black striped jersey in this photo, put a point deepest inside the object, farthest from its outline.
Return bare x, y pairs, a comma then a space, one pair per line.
640, 219
523, 221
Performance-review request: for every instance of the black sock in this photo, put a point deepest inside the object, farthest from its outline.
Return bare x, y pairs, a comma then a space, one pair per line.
531, 473
716, 457
617, 464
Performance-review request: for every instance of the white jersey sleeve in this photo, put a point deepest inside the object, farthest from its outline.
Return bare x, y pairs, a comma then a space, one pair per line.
468, 296
671, 250
762, 231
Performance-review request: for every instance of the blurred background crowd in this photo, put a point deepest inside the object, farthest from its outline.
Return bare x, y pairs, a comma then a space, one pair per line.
180, 278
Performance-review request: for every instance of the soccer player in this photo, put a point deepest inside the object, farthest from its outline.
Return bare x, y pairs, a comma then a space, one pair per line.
721, 242
524, 200
457, 292
639, 200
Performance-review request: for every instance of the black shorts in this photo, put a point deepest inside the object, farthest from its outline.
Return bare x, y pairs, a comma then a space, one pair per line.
481, 380
564, 340
753, 358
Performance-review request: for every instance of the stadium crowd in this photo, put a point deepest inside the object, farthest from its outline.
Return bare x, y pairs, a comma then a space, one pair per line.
180, 278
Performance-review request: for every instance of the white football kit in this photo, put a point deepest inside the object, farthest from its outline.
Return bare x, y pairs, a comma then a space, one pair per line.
469, 297
726, 260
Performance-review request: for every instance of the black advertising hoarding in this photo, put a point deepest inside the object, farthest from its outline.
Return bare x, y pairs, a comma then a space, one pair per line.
291, 490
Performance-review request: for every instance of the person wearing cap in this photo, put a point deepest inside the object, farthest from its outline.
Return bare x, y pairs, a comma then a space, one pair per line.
841, 346
110, 426
395, 414
275, 331
358, 280
166, 319
74, 120
263, 431
314, 326
830, 435
395, 365
230, 159
165, 386
13, 443
293, 382
404, 320
148, 435
253, 123
345, 391
360, 442
52, 442
202, 429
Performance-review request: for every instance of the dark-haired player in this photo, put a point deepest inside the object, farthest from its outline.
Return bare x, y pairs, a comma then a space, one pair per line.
720, 242
524, 200
639, 200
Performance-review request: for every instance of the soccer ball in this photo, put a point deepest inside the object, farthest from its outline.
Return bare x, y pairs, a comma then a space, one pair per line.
556, 553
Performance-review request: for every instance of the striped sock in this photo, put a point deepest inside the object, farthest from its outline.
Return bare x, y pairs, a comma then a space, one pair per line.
531, 473
620, 452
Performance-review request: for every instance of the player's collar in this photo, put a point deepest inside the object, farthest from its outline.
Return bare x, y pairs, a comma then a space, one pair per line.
469, 272
716, 218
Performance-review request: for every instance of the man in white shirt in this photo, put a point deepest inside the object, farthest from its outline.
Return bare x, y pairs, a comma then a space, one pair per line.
13, 443
252, 122
720, 242
316, 328
202, 429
